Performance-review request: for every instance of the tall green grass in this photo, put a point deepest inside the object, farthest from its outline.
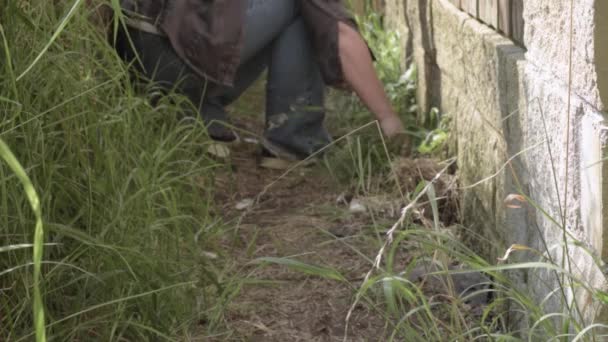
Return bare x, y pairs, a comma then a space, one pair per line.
37, 246
124, 190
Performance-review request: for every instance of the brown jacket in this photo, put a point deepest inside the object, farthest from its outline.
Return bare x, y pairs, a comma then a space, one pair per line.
208, 35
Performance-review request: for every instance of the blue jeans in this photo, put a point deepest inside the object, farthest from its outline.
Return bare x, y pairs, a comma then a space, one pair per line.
277, 40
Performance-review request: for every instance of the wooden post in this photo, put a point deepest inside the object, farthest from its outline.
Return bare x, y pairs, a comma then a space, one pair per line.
504, 17
456, 3
488, 12
470, 6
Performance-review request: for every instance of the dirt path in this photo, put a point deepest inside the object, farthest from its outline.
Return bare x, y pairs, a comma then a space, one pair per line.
300, 218
297, 218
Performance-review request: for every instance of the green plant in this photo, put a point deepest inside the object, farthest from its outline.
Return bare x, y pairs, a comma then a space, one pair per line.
436, 137
124, 189
37, 246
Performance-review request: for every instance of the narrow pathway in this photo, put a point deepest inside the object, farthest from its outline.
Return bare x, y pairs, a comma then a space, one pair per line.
297, 217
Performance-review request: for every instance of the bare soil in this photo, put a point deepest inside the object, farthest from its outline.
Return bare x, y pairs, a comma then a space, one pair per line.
297, 217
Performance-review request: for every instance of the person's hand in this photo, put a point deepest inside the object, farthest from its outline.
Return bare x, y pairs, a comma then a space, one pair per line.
400, 144
397, 140
391, 126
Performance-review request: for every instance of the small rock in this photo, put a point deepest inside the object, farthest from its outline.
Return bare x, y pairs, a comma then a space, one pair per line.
209, 255
344, 198
356, 207
244, 204
218, 150
275, 164
252, 141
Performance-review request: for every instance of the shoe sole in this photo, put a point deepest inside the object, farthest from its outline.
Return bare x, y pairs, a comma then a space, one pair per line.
278, 151
281, 159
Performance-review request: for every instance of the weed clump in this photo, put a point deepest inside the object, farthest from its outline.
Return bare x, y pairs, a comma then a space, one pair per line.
123, 188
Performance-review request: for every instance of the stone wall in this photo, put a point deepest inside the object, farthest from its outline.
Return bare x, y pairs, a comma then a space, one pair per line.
510, 108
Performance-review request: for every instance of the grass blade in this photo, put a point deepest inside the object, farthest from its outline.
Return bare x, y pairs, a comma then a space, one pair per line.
60, 28
32, 197
323, 272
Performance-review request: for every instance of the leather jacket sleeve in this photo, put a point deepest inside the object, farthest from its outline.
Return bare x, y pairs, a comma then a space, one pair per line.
322, 17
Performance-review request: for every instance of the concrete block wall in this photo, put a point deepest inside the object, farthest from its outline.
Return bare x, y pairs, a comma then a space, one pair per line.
523, 117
